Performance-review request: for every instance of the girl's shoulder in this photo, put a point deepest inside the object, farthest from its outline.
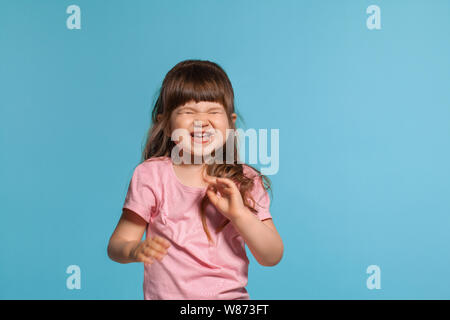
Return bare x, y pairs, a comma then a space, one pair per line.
155, 164
249, 171
157, 159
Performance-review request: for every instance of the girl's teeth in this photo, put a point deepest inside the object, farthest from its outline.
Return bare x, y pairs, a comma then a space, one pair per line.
205, 137
201, 136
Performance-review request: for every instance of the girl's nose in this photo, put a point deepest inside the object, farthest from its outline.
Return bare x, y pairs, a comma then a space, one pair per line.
201, 122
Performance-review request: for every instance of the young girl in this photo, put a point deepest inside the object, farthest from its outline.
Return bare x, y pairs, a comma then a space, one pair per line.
179, 203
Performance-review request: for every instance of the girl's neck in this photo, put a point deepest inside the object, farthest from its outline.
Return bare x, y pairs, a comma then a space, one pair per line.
191, 166
190, 174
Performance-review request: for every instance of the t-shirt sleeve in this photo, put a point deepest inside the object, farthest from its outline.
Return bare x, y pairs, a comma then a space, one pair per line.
262, 199
140, 197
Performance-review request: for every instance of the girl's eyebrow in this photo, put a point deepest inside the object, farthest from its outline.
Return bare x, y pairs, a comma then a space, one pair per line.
192, 108
215, 108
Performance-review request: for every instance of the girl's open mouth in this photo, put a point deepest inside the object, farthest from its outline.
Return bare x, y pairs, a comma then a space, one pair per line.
202, 137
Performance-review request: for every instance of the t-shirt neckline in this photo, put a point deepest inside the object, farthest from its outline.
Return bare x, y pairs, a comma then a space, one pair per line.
178, 182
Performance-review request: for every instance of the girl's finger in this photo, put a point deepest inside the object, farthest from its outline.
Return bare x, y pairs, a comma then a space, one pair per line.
156, 254
229, 183
146, 259
158, 247
223, 189
210, 180
165, 243
226, 190
147, 242
212, 196
222, 184
153, 254
147, 252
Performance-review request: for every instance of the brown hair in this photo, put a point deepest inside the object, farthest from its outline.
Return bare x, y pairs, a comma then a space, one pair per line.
199, 80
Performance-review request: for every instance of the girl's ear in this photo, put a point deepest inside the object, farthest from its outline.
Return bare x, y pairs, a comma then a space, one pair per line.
158, 117
233, 117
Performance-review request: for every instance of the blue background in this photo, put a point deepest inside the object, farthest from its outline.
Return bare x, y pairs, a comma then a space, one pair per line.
364, 120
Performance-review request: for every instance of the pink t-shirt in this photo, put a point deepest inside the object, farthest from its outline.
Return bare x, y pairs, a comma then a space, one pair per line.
191, 269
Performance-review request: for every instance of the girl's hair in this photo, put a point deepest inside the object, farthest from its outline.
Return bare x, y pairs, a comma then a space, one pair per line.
199, 80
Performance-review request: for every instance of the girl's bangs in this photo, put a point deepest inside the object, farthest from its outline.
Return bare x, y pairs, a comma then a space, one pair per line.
192, 89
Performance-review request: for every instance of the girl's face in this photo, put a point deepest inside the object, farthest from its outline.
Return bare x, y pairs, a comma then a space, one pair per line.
203, 126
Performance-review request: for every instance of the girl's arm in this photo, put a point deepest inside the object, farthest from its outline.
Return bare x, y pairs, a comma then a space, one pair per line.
126, 236
125, 244
261, 237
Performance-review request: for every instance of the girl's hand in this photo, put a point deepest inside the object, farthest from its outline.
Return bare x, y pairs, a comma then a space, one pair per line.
151, 248
230, 202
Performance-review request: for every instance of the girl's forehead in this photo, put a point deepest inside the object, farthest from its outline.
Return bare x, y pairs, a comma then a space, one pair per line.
201, 104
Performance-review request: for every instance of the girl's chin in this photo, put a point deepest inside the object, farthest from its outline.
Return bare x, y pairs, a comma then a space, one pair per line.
201, 150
